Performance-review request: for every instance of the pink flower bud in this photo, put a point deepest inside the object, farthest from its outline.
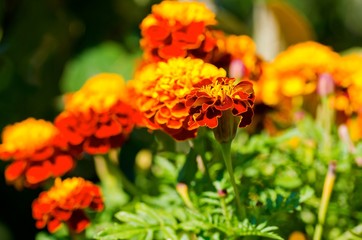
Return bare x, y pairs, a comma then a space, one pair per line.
345, 137
325, 84
236, 69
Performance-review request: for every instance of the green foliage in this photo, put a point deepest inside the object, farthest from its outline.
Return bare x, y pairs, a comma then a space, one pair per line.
153, 223
106, 57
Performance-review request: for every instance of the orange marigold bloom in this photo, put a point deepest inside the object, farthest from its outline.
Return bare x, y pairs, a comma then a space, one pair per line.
299, 67
37, 152
177, 29
237, 48
66, 202
348, 81
99, 116
354, 127
222, 105
162, 94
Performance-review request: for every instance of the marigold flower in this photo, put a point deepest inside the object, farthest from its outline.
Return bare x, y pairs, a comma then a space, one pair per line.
98, 117
66, 202
177, 29
298, 68
162, 95
238, 48
37, 152
221, 105
348, 81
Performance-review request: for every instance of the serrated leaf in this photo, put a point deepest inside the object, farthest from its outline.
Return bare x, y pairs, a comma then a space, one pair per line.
210, 201
130, 218
149, 235
121, 231
169, 233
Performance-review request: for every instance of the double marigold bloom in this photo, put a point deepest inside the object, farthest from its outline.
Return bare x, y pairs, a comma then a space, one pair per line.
180, 95
162, 95
66, 202
37, 151
222, 105
177, 29
238, 54
296, 71
99, 116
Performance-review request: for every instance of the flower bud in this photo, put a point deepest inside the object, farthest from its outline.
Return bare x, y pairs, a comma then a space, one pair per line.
325, 84
227, 127
236, 69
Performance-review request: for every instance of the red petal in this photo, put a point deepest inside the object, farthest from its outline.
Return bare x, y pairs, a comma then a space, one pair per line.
222, 106
53, 225
62, 214
108, 129
43, 154
78, 221
38, 173
40, 224
40, 209
155, 34
15, 170
246, 118
171, 51
96, 146
62, 164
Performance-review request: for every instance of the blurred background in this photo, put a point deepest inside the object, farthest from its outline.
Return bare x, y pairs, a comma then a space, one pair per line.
49, 47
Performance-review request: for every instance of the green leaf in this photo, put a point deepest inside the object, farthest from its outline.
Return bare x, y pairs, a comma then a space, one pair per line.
169, 233
130, 218
121, 231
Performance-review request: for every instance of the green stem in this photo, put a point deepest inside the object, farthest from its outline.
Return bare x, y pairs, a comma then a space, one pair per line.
76, 236
225, 212
325, 118
225, 150
327, 191
199, 146
110, 175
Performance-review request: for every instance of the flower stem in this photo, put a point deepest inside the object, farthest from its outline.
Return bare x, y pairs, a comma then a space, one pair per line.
225, 212
111, 176
76, 236
327, 191
225, 150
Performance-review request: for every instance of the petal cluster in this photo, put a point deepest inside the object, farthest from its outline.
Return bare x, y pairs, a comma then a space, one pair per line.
177, 29
211, 100
162, 93
98, 117
348, 81
240, 49
37, 151
66, 202
295, 72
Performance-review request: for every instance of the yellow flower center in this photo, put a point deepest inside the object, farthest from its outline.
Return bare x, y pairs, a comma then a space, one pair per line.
184, 12
28, 135
179, 75
62, 189
219, 90
98, 93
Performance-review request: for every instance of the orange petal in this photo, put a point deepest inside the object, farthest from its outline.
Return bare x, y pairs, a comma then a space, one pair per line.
96, 146
53, 225
108, 129
15, 170
38, 173
62, 164
78, 221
